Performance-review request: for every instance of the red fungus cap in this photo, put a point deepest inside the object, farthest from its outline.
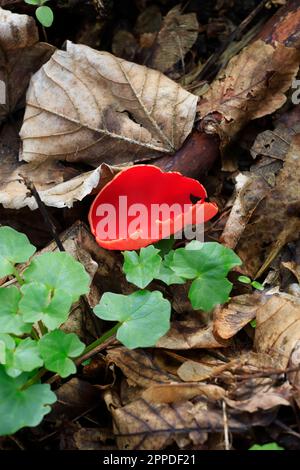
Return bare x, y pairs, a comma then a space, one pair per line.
142, 205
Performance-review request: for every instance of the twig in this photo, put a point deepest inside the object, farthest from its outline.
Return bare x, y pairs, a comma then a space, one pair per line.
226, 430
206, 72
47, 219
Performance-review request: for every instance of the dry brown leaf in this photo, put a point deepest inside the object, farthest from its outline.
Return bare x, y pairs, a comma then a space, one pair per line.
85, 105
93, 439
139, 367
174, 392
266, 399
250, 190
294, 268
230, 319
188, 335
252, 85
192, 371
276, 220
278, 327
21, 55
178, 34
141, 425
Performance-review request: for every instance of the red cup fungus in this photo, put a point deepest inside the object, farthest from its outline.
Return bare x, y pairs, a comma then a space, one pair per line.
142, 204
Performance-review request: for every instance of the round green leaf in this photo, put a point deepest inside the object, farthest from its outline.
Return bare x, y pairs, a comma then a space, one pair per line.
14, 248
40, 303
206, 293
59, 271
10, 318
142, 268
45, 16
145, 316
33, 2
56, 348
20, 408
269, 446
244, 279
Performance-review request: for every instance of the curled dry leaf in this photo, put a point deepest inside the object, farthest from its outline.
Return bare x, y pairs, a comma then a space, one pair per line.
188, 335
174, 392
144, 425
178, 34
278, 327
276, 220
139, 367
230, 319
85, 105
252, 85
266, 399
21, 55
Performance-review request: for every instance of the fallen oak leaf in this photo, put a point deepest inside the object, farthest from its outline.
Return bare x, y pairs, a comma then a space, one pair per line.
103, 103
252, 85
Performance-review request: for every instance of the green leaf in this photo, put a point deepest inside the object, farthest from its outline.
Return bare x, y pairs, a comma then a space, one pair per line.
41, 303
20, 408
10, 318
33, 2
24, 357
166, 274
204, 259
14, 248
145, 316
206, 293
45, 16
59, 271
6, 342
269, 446
244, 279
56, 348
253, 323
142, 268
257, 285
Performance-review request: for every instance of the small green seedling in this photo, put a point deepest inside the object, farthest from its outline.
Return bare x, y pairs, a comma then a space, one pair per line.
205, 264
35, 307
255, 284
43, 13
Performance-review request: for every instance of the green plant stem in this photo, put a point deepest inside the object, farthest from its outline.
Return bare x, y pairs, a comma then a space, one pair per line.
89, 348
35, 378
18, 277
102, 338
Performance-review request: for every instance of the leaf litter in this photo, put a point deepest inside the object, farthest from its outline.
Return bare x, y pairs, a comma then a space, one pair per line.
115, 110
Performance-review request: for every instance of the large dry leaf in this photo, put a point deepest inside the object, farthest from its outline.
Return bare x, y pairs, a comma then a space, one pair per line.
207, 367
20, 56
143, 425
176, 37
85, 105
275, 221
252, 85
278, 328
266, 399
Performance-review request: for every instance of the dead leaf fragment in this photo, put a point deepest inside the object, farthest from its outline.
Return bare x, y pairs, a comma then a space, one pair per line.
278, 327
252, 85
142, 425
174, 392
176, 37
230, 319
85, 105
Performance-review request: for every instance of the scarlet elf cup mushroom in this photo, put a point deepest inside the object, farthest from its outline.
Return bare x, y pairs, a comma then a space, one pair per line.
142, 204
